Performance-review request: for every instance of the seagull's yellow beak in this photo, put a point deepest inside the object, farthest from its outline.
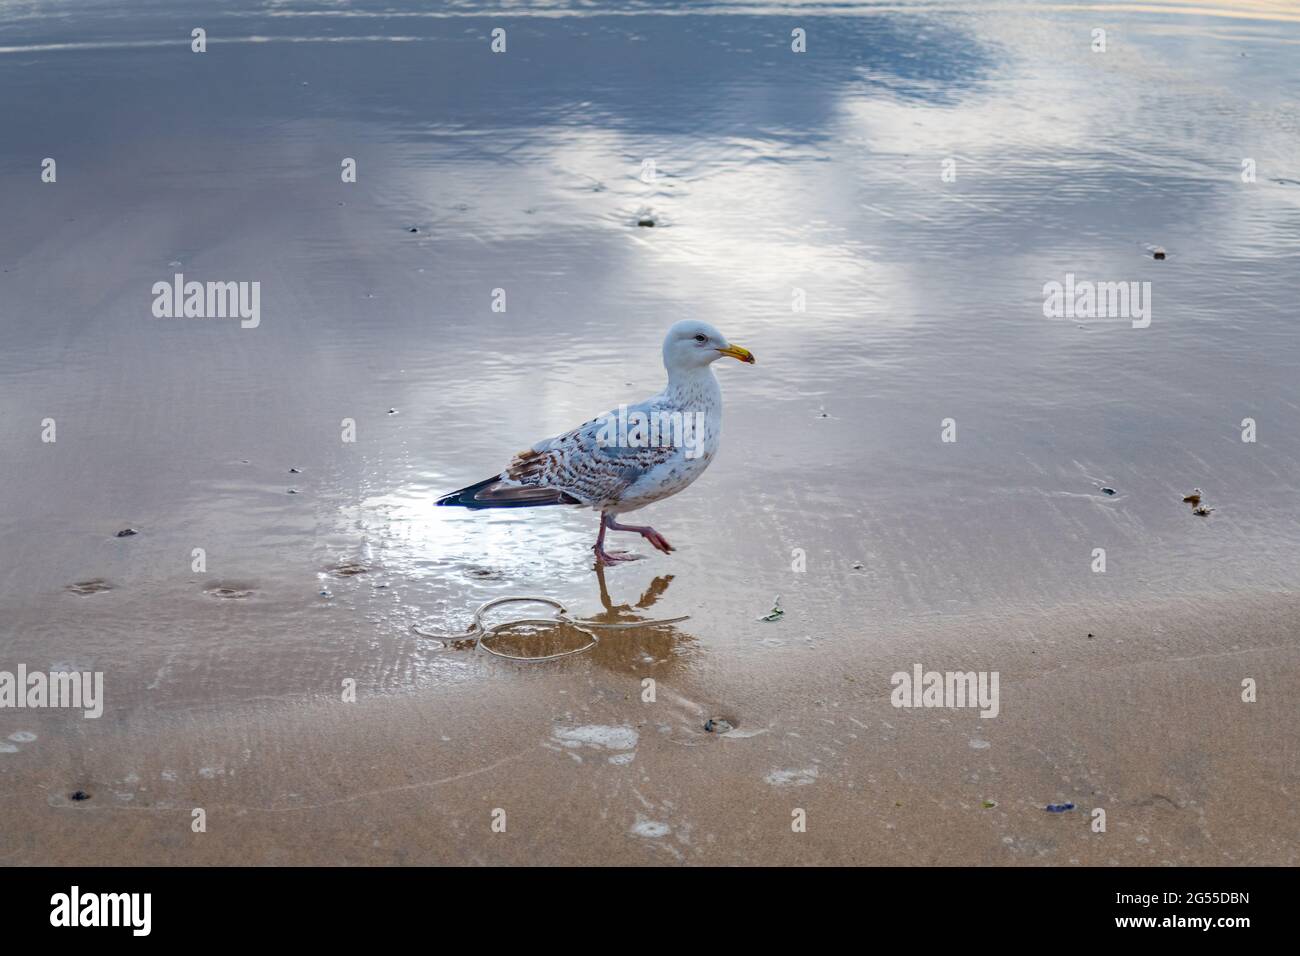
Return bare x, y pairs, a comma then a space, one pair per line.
736, 352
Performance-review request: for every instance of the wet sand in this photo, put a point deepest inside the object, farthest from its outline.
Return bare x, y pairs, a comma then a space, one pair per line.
1143, 720
522, 172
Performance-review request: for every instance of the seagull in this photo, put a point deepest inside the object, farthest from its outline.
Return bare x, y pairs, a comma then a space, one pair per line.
627, 458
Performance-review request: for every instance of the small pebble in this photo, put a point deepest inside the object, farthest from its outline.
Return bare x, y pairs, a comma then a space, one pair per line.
1158, 254
295, 471
1108, 491
717, 725
647, 223
1058, 807
79, 795
126, 533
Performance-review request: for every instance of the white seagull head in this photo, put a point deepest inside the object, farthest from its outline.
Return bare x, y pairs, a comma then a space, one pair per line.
690, 345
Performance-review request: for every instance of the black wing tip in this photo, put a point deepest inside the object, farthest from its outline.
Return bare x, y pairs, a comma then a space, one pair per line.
465, 497
468, 498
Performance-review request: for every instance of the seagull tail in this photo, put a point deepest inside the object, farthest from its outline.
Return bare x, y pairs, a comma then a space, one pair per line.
495, 493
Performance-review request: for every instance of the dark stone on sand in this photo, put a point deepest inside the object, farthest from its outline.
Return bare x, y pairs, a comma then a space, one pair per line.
1158, 254
1108, 491
295, 471
718, 725
647, 223
413, 229
78, 795
126, 533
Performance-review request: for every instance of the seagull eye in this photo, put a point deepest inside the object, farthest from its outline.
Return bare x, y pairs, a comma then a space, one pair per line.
701, 338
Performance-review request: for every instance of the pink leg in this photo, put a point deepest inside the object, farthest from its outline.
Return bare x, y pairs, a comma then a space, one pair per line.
606, 557
645, 531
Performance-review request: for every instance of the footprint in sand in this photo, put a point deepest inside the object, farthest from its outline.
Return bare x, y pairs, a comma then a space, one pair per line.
650, 829
619, 743
229, 591
10, 746
792, 778
93, 586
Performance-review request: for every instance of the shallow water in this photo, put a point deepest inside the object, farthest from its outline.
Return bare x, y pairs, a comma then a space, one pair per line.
776, 172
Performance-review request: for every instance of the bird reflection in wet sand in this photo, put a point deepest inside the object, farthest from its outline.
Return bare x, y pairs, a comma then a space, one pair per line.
626, 649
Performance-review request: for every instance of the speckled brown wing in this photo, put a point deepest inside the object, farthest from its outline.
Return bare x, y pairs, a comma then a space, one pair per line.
574, 468
577, 464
